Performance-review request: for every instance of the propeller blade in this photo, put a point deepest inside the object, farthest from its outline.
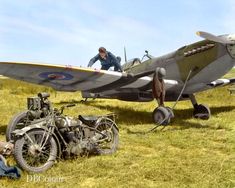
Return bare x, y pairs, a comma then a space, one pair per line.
125, 54
214, 38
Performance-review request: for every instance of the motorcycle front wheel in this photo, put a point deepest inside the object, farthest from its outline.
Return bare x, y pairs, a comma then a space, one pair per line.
35, 152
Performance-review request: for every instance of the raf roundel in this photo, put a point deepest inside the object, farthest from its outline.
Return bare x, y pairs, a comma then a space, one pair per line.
56, 76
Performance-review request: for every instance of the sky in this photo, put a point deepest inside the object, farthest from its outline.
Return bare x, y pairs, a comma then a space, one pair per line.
69, 32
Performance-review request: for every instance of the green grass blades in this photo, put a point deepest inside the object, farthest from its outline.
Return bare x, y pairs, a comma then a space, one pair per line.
188, 153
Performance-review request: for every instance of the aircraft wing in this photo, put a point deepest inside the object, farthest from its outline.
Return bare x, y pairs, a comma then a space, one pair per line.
222, 82
72, 78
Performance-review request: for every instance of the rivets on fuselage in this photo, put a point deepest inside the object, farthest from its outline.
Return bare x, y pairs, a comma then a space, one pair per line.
198, 50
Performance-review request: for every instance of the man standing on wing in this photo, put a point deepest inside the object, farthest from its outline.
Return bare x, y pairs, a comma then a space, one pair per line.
107, 60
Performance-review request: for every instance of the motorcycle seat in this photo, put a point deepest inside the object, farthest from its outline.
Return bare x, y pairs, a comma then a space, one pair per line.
88, 120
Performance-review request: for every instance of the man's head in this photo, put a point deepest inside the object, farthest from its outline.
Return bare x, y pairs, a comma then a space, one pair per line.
102, 52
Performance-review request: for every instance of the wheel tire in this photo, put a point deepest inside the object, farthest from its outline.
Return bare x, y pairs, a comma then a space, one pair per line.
12, 125
202, 112
171, 113
161, 116
115, 136
18, 153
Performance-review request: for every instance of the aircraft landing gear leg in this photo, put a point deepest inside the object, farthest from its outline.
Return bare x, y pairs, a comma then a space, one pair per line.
200, 111
161, 115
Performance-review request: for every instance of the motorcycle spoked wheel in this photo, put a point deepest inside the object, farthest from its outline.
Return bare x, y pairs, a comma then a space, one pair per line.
18, 121
31, 156
108, 144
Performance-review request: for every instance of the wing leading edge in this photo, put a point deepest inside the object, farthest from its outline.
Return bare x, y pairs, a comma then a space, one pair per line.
72, 78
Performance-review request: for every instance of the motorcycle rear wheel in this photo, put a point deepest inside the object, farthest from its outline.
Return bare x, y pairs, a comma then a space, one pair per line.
110, 144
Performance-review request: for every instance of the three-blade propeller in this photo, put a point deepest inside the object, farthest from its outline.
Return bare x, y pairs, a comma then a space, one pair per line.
211, 37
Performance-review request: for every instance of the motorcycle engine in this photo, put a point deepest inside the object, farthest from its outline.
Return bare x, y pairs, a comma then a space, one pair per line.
82, 148
79, 143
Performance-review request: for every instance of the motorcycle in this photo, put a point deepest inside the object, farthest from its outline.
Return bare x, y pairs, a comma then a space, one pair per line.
39, 144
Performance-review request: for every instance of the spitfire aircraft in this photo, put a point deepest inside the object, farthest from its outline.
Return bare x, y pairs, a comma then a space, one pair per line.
176, 76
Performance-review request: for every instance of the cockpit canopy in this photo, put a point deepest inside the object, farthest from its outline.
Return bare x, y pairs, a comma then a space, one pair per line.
131, 63
136, 61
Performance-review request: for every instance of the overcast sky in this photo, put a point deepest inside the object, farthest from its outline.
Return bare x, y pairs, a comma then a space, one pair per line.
69, 32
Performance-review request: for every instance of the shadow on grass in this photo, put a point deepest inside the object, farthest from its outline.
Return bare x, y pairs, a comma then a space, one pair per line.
73, 101
129, 116
221, 109
125, 115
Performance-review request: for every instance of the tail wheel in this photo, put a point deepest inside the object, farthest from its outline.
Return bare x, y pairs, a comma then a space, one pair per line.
34, 152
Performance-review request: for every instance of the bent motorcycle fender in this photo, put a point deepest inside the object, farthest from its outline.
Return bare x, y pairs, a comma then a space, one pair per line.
39, 126
101, 118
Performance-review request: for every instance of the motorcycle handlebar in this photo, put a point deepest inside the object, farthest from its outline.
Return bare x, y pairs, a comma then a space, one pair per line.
67, 106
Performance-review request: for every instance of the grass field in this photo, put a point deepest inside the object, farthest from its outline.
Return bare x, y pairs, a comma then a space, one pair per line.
188, 153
